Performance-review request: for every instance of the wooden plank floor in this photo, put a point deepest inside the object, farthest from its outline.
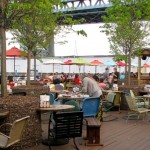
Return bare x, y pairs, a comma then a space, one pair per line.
115, 135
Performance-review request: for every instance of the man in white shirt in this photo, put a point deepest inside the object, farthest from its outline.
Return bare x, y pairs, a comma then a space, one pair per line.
91, 87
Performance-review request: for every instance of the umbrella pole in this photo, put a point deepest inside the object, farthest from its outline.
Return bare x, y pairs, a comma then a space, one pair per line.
79, 69
69, 68
14, 65
53, 69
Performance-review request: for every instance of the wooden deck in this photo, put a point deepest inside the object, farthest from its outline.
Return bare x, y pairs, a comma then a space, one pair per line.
115, 135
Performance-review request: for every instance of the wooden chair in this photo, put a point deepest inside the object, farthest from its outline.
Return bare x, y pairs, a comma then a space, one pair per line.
134, 110
67, 125
15, 135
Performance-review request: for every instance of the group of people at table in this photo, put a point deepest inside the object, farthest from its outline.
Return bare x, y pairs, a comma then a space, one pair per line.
90, 84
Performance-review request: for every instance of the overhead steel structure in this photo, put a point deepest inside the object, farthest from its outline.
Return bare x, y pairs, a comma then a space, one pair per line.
90, 10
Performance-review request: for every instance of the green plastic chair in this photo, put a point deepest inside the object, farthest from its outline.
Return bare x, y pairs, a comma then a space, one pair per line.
74, 103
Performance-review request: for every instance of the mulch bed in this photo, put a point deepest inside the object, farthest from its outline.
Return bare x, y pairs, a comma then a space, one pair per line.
32, 90
21, 106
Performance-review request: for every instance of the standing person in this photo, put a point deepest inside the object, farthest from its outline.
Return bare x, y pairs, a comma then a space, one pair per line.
116, 75
106, 75
91, 87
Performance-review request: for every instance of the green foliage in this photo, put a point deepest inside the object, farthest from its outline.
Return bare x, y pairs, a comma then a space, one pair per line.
36, 30
128, 28
125, 27
82, 32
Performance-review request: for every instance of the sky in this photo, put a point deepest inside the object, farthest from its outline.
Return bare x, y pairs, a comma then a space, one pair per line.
95, 43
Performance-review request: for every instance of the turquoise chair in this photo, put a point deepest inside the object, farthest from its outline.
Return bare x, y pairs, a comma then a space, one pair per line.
90, 106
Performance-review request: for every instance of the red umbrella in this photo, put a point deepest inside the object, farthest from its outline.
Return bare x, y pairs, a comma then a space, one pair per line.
146, 65
68, 62
96, 63
121, 64
15, 52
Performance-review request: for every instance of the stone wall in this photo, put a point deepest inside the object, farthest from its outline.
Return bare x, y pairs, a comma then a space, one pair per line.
21, 106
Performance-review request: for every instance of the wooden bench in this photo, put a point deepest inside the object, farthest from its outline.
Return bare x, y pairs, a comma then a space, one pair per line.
93, 132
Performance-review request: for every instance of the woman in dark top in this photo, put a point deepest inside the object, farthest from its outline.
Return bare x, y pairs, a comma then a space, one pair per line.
116, 75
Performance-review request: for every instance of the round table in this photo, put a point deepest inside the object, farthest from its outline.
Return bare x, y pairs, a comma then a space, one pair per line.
54, 108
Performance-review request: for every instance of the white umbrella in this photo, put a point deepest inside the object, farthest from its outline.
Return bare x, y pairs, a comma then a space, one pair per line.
53, 62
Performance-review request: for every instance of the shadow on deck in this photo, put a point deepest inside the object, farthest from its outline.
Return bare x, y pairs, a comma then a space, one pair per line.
115, 135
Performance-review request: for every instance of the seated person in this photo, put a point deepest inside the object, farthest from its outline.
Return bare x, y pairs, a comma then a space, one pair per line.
11, 83
122, 75
102, 84
56, 81
77, 80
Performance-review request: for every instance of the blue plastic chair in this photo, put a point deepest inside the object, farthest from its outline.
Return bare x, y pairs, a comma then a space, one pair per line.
90, 106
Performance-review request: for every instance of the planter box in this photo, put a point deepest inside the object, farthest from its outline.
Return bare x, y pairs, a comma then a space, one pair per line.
32, 90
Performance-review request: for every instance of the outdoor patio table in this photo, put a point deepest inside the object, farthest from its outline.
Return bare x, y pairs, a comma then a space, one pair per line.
78, 98
142, 92
72, 97
53, 109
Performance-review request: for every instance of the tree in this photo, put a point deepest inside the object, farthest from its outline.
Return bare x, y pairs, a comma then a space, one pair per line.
36, 30
10, 11
127, 27
12, 14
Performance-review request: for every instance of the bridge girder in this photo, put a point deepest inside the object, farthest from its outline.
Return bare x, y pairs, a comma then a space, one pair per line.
90, 10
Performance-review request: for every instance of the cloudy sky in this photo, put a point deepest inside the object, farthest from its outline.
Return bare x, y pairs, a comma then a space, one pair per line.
95, 43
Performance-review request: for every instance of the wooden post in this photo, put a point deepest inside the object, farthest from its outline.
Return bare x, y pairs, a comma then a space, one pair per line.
139, 69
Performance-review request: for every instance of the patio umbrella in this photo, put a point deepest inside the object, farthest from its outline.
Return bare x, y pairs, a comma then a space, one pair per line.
68, 63
53, 62
121, 64
80, 62
96, 63
15, 52
146, 65
110, 63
